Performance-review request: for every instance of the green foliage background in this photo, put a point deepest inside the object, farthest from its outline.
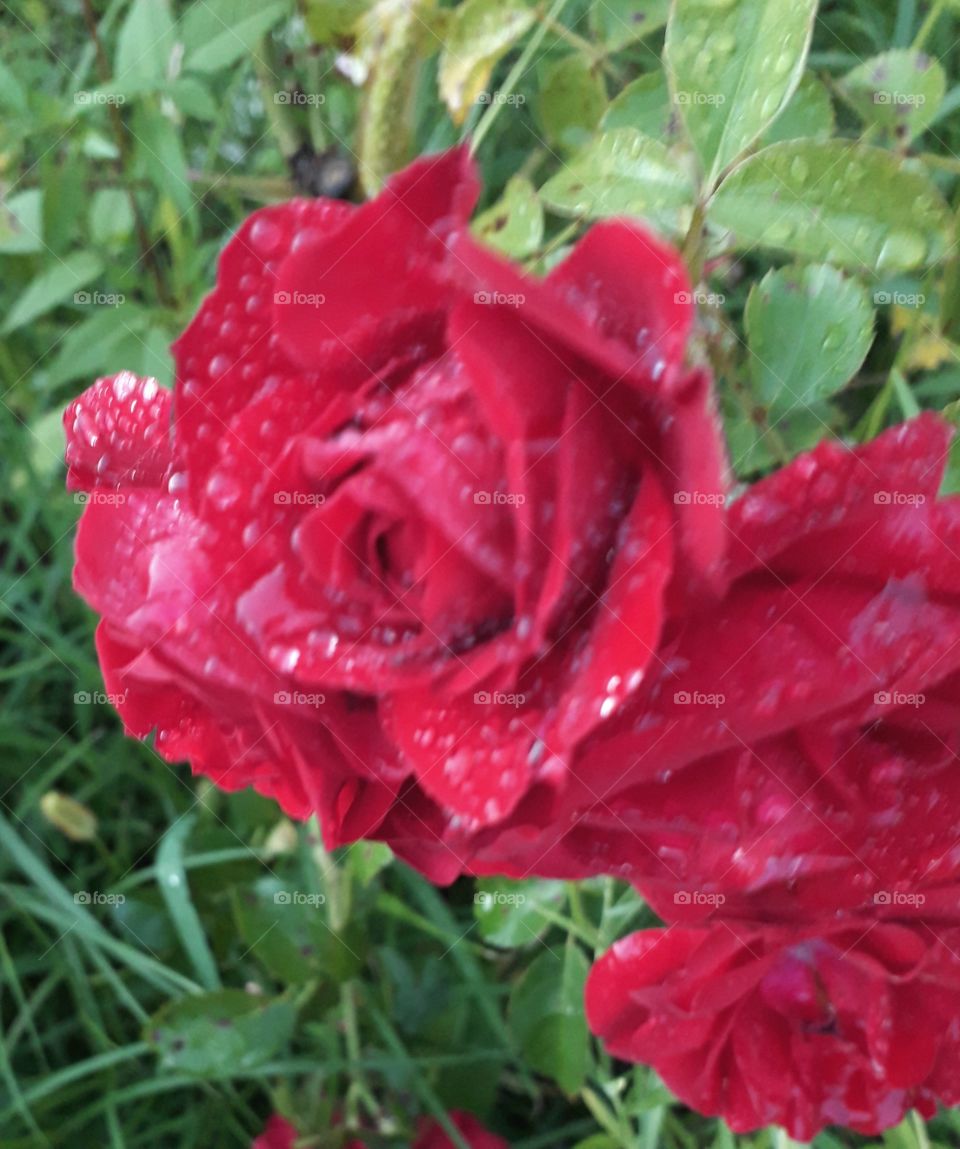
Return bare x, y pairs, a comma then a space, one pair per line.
153, 990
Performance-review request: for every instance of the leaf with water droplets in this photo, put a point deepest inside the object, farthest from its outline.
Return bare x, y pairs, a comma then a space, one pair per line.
624, 173
481, 32
733, 67
899, 91
645, 104
514, 224
808, 115
841, 202
830, 321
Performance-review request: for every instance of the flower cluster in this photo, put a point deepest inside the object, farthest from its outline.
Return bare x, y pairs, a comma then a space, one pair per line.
447, 554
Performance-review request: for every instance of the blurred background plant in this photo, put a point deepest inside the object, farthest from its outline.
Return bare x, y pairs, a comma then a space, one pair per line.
176, 963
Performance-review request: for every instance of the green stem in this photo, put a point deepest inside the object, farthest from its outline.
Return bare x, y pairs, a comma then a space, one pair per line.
513, 76
936, 11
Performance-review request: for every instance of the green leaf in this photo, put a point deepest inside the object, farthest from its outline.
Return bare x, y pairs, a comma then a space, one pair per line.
508, 913
51, 287
514, 224
646, 106
218, 33
144, 44
572, 99
900, 91
111, 216
841, 202
21, 223
215, 1035
733, 66
830, 321
159, 154
546, 1014
193, 99
480, 33
619, 23
172, 882
809, 114
624, 173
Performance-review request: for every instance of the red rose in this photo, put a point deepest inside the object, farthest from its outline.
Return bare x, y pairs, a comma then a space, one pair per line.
278, 1134
792, 748
849, 1024
420, 521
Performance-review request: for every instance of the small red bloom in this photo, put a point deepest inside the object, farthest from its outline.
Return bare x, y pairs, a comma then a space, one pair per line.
419, 523
851, 1023
278, 1134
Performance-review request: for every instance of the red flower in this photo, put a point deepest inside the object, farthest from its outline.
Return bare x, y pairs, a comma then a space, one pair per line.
278, 1134
421, 519
852, 1023
791, 751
